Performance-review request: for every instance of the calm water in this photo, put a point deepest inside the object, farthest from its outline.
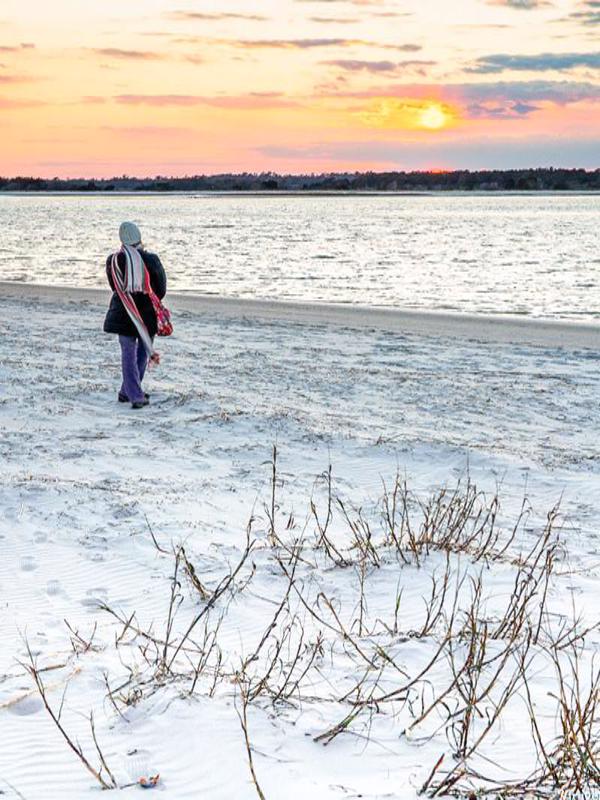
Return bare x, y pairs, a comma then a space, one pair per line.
534, 255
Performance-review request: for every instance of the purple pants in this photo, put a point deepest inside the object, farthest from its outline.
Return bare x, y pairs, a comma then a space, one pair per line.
134, 360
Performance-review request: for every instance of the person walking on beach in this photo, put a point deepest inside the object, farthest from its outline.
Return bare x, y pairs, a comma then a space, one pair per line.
133, 274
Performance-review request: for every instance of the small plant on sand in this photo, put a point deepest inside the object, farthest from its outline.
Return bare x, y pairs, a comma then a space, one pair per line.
101, 773
451, 666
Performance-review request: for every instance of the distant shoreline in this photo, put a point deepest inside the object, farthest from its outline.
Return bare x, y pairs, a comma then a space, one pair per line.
394, 181
505, 329
304, 193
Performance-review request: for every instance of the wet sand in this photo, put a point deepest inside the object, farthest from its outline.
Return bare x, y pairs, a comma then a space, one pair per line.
475, 327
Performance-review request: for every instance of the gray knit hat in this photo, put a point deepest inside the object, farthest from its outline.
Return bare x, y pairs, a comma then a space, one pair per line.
129, 233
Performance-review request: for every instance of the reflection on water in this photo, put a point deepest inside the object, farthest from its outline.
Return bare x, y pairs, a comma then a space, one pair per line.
529, 254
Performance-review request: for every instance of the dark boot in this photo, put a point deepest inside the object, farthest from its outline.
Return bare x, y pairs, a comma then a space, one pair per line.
124, 399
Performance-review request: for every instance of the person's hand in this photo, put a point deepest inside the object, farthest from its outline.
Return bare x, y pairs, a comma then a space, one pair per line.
155, 359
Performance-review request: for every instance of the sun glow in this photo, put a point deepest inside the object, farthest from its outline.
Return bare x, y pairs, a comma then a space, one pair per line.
408, 114
433, 117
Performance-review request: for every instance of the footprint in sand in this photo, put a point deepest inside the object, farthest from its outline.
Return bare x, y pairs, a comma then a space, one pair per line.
26, 706
28, 564
53, 587
40, 538
94, 597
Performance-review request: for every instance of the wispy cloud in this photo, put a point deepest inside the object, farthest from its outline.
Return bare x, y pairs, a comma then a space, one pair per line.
541, 62
500, 110
348, 2
134, 55
587, 13
15, 48
253, 100
358, 65
158, 100
188, 16
334, 20
392, 14
560, 93
147, 131
483, 26
9, 103
6, 77
310, 43
526, 5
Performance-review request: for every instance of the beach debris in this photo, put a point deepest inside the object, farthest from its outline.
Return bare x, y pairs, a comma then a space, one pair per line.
150, 782
140, 770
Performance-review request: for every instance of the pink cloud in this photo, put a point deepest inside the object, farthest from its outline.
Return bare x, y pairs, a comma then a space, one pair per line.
10, 103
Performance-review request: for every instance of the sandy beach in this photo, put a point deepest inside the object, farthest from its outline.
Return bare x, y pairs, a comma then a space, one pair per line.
97, 501
324, 526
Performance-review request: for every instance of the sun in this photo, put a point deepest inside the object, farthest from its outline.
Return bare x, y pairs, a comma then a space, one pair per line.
409, 114
433, 117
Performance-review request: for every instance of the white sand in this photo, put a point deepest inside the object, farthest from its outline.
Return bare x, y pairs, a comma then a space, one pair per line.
371, 391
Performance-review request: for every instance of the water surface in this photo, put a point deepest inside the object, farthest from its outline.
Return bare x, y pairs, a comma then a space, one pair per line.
535, 255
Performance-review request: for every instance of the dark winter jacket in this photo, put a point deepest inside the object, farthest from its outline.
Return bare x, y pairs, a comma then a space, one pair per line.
117, 319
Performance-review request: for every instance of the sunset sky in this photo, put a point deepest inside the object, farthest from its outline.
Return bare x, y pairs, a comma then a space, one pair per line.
148, 87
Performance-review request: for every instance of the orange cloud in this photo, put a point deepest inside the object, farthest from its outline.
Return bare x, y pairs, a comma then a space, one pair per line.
253, 100
7, 78
12, 103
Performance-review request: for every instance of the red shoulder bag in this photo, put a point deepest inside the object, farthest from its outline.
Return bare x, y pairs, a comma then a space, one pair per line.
164, 326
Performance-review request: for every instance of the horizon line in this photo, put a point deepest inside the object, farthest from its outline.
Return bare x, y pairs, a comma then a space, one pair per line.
322, 174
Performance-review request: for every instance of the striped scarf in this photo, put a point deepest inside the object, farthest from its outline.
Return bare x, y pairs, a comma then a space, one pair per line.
134, 278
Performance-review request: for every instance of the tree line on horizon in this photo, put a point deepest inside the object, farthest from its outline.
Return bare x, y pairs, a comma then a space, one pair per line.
539, 179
